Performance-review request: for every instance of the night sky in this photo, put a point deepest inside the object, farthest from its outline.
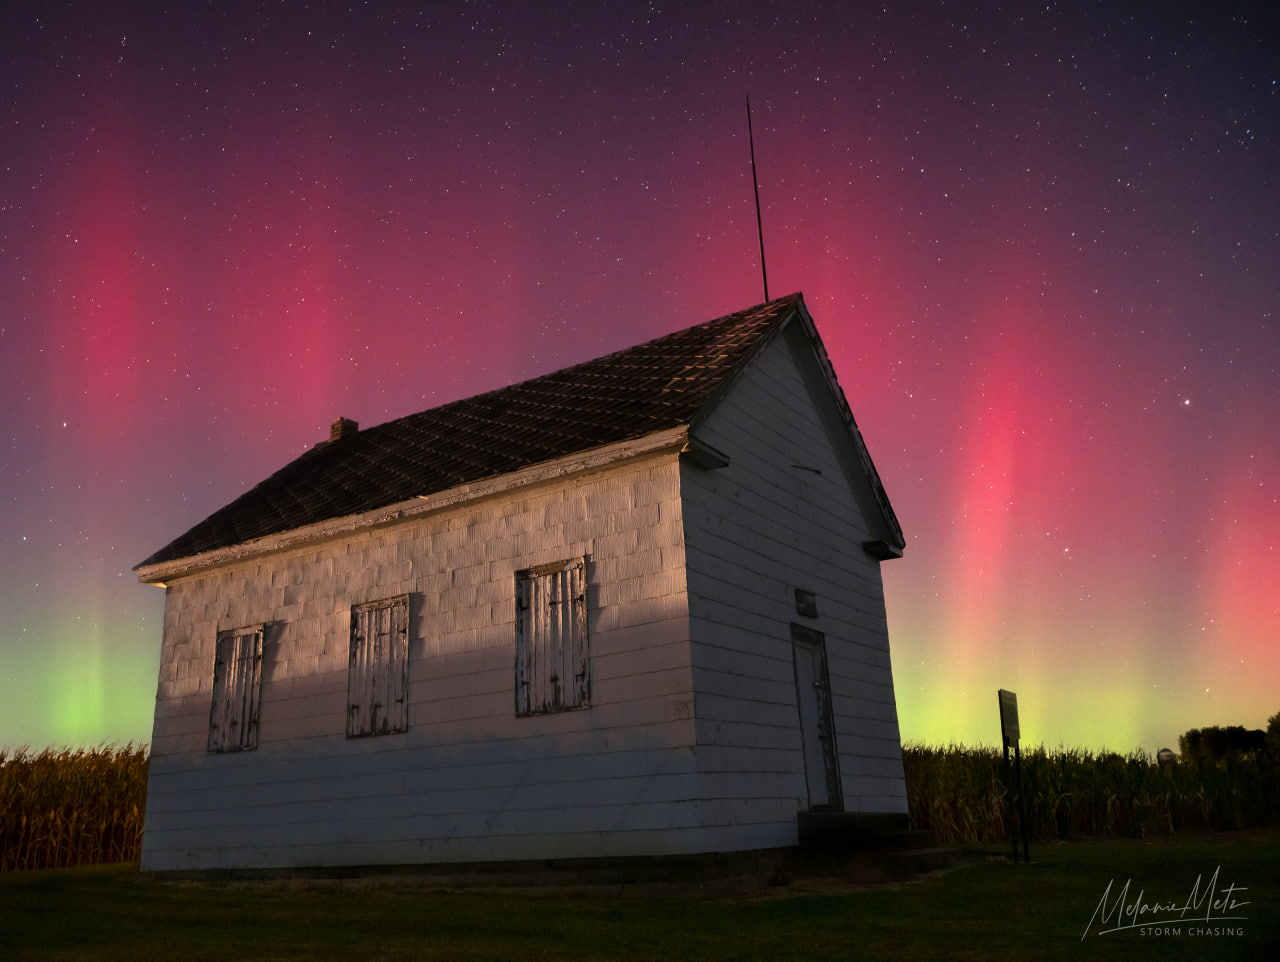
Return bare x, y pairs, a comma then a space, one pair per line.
1040, 241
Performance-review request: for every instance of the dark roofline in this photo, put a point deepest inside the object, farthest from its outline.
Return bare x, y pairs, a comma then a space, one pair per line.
667, 382
626, 394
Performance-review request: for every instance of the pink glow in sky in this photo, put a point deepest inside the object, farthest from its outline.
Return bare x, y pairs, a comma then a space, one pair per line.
1042, 248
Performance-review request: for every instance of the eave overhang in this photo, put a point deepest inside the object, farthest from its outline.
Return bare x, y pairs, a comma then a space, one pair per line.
671, 440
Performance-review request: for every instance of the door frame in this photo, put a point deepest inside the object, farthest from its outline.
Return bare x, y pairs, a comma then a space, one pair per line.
812, 644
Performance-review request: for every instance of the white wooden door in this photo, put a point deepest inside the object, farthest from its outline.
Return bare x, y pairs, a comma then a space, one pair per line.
813, 698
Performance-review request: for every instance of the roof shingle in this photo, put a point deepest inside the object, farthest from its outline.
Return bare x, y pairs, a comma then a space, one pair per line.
626, 395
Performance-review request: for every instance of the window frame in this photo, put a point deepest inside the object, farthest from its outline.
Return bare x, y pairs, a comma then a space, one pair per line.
236, 699
377, 679
556, 645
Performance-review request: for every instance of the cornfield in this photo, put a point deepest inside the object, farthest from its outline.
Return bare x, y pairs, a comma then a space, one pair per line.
966, 795
63, 808
82, 807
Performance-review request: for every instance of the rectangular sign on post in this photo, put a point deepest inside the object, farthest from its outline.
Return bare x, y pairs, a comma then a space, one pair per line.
1009, 729
1009, 715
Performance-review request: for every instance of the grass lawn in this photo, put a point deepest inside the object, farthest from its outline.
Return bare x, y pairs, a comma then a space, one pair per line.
989, 909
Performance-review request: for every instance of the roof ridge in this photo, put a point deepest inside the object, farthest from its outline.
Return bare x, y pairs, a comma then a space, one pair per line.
776, 303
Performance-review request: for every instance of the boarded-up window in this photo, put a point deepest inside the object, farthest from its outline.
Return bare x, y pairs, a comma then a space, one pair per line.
237, 679
378, 680
551, 638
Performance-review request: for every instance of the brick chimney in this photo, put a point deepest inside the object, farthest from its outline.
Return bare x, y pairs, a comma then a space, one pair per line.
342, 428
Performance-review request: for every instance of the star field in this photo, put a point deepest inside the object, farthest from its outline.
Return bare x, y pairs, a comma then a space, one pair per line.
1041, 244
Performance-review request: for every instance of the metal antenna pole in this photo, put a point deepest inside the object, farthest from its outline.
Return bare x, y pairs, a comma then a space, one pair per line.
755, 182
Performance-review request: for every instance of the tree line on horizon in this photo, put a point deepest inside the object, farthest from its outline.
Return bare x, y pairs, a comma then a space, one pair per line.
1200, 746
1225, 778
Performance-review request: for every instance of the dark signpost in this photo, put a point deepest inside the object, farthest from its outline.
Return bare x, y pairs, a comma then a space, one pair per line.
1009, 732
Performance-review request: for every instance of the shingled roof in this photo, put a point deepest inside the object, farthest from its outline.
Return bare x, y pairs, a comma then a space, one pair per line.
661, 384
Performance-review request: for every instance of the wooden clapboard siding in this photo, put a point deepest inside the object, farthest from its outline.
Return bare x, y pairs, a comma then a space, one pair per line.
469, 779
786, 512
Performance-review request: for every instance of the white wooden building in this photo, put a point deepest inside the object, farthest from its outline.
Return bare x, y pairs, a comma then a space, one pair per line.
633, 607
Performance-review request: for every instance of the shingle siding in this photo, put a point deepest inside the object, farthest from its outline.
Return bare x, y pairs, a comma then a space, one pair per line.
484, 783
